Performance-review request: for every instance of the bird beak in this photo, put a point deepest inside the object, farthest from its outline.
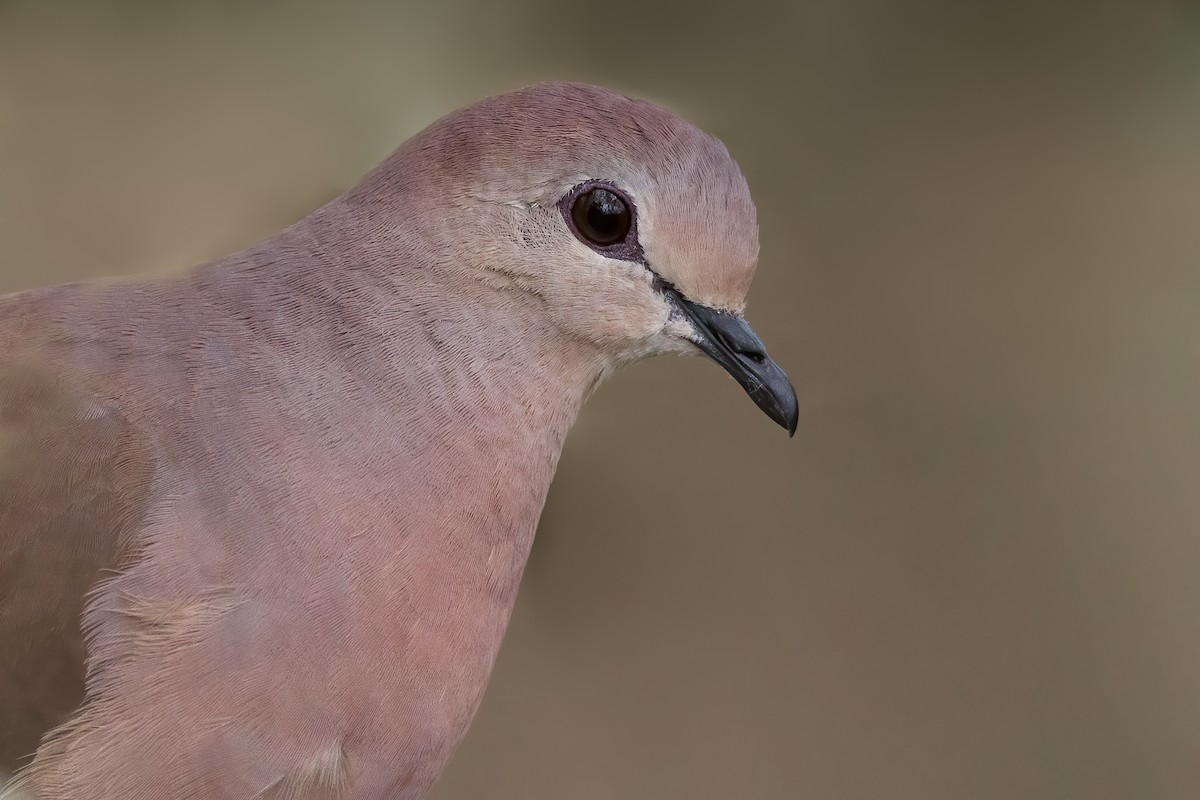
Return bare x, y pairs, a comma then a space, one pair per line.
730, 341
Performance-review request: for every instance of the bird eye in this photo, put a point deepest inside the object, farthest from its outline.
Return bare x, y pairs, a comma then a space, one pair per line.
601, 216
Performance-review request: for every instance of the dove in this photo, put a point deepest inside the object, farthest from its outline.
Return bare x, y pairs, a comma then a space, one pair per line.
263, 521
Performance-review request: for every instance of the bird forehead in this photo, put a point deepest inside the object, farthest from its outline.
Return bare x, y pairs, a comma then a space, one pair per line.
709, 256
700, 230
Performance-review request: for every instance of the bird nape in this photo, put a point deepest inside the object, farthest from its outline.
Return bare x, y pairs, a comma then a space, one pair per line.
262, 522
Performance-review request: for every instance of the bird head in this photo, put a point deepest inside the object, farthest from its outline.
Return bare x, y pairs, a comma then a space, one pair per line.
633, 227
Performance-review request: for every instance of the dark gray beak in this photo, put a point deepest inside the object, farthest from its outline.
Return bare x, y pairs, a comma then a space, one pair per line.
730, 341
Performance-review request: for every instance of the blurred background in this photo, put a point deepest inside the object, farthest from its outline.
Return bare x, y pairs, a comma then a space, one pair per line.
975, 573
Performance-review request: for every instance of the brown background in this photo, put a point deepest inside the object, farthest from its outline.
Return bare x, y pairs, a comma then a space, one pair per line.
975, 573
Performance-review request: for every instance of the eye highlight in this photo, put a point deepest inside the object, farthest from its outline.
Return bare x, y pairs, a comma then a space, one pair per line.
604, 218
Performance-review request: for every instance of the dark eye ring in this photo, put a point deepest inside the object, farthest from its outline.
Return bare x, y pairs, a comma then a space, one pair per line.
603, 217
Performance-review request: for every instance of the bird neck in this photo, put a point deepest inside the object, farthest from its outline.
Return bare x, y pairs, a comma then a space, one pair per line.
468, 389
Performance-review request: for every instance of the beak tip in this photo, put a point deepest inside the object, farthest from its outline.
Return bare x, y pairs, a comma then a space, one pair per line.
780, 404
789, 420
